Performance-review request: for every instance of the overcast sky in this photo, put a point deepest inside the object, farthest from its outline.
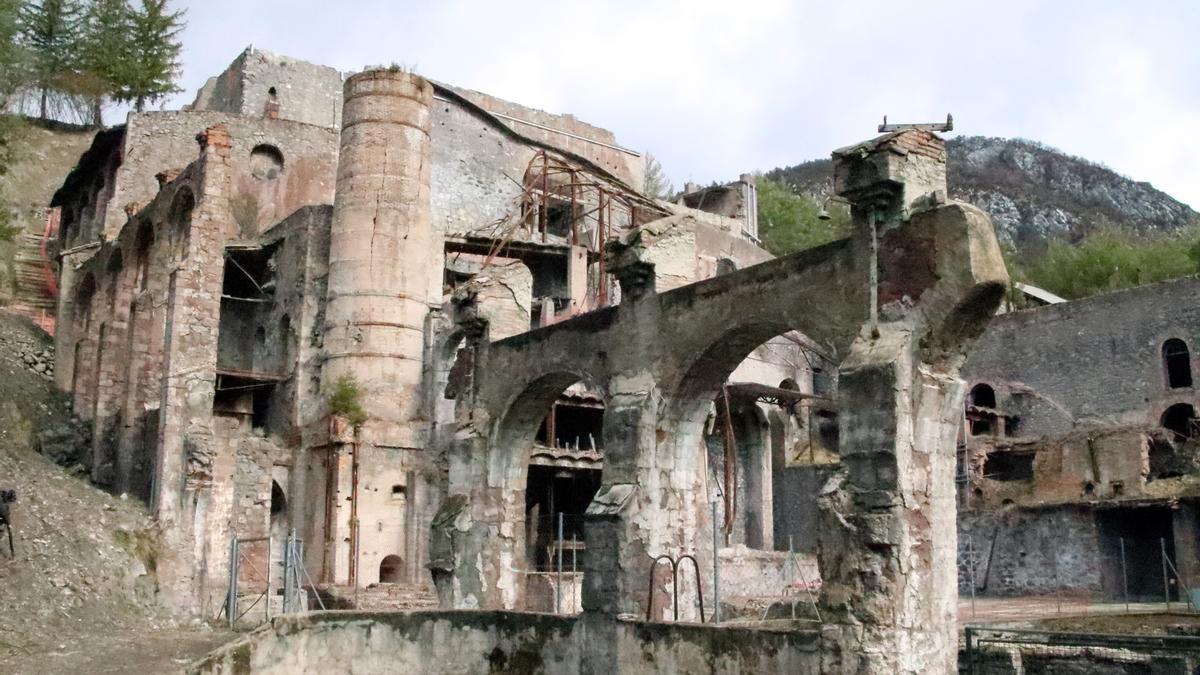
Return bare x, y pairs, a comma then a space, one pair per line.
717, 88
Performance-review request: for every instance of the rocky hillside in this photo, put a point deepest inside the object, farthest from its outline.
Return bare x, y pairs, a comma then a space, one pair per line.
79, 595
1032, 192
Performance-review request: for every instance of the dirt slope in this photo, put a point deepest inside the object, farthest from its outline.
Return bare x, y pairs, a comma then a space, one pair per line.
79, 596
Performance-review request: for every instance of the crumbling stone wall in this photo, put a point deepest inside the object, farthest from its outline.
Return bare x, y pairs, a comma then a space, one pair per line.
262, 84
489, 642
1080, 389
905, 339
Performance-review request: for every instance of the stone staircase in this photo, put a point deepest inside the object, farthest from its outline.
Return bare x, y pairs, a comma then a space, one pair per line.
33, 296
382, 597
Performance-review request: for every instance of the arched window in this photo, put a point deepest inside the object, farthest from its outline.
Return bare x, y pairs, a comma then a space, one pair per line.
145, 240
278, 500
266, 162
1177, 364
1181, 420
983, 396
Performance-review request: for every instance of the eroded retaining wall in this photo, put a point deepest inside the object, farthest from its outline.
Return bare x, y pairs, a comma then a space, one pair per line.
505, 642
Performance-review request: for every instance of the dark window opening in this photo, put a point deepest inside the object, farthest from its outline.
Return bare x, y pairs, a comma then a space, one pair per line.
575, 427
145, 240
983, 396
244, 397
558, 219
260, 404
1177, 363
1168, 460
1012, 425
181, 219
278, 500
1144, 533
1009, 466
551, 491
982, 426
391, 569
399, 492
1180, 419
249, 273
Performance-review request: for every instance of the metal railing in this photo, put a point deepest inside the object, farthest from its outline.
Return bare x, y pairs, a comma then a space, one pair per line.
674, 584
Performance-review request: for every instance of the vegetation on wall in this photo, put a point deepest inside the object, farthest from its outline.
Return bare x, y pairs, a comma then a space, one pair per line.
790, 222
71, 57
344, 401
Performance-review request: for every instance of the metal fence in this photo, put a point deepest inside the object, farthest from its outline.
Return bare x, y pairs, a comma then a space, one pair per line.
1136, 575
996, 651
757, 585
554, 579
252, 573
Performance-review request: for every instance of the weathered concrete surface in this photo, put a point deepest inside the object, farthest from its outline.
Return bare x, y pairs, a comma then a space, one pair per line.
465, 642
383, 279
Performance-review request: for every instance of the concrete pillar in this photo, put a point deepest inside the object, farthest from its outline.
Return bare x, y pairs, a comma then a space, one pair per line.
577, 279
193, 499
385, 266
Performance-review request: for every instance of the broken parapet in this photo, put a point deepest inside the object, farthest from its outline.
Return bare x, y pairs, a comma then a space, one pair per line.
893, 174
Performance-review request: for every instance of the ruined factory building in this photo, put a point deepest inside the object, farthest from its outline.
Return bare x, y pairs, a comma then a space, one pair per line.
375, 338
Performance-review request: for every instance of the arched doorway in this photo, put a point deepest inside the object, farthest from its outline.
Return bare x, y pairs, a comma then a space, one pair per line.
391, 570
563, 475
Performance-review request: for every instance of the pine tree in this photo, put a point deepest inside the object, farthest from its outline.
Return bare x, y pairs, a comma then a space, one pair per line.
13, 62
50, 31
154, 58
655, 183
105, 54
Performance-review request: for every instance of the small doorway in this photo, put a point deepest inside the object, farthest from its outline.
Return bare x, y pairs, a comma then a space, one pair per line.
391, 569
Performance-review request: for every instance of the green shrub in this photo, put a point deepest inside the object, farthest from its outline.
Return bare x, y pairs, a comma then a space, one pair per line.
1110, 260
790, 222
345, 401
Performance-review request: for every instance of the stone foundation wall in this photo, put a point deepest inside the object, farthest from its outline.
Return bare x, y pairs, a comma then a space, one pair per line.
465, 642
1034, 551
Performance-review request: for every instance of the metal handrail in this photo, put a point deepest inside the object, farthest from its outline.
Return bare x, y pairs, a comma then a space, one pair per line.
674, 584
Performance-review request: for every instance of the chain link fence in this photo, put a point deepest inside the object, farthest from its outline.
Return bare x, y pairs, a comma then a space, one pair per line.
757, 585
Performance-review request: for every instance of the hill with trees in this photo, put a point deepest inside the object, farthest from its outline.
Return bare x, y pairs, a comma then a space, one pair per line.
1067, 224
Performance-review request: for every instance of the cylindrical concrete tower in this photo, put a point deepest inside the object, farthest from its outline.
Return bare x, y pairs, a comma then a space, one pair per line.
384, 266
385, 270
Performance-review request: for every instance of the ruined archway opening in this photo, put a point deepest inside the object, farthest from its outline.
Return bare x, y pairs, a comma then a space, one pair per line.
749, 443
1180, 420
554, 431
